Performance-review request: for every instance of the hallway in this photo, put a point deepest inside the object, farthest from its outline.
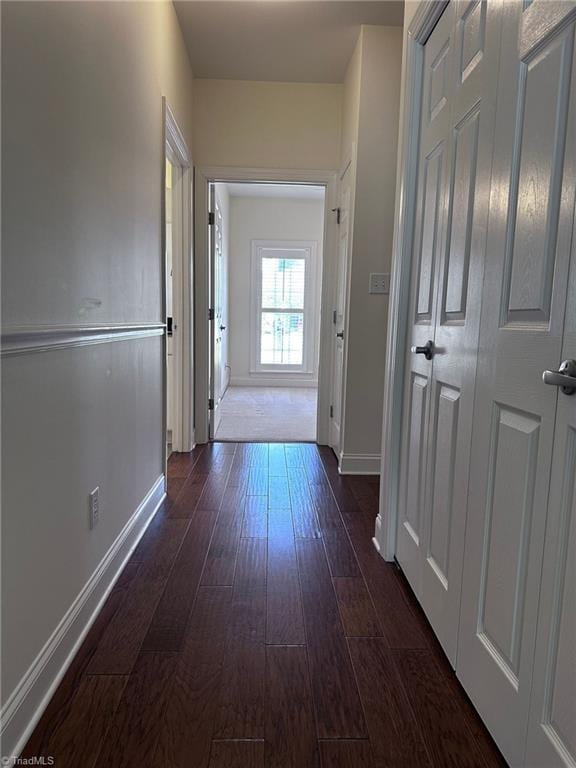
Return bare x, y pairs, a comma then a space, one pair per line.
255, 625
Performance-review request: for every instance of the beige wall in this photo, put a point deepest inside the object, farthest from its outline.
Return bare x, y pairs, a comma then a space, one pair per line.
82, 155
373, 93
267, 125
265, 219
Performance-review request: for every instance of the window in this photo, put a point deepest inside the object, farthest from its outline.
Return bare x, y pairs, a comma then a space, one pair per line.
283, 306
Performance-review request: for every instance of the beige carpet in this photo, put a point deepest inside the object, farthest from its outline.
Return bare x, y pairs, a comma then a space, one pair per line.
268, 413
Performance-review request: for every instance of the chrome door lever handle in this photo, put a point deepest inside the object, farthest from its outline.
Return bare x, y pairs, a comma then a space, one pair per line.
340, 335
427, 350
564, 377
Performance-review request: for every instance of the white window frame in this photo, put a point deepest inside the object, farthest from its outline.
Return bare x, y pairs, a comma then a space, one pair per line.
293, 249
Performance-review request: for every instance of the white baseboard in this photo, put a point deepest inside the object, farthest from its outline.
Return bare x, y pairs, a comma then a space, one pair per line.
28, 701
359, 464
269, 381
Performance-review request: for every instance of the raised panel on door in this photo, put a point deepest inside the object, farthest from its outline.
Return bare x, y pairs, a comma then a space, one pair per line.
524, 299
552, 725
437, 79
470, 125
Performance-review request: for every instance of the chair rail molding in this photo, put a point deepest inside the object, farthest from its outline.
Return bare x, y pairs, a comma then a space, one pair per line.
21, 340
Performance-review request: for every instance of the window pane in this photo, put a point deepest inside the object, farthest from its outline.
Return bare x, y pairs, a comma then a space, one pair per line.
283, 283
282, 338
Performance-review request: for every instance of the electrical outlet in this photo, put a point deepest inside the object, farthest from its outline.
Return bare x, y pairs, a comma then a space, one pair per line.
94, 507
379, 282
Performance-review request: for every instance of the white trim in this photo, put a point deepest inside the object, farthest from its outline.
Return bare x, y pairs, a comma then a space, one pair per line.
262, 380
309, 251
419, 30
359, 464
28, 701
176, 150
203, 177
21, 340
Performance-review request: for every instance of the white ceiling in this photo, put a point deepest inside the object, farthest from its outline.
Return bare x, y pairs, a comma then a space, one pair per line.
293, 191
303, 41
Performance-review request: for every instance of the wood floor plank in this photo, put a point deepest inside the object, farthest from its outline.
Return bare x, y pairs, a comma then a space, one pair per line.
251, 564
338, 547
278, 493
347, 754
119, 647
257, 454
258, 481
221, 560
284, 618
255, 525
290, 726
185, 503
293, 454
241, 707
237, 754
181, 464
338, 709
133, 734
240, 471
313, 463
215, 487
85, 722
59, 706
304, 517
166, 631
185, 726
356, 608
394, 732
438, 706
276, 460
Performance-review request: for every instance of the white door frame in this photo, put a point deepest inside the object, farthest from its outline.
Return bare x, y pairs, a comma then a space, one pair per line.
424, 21
176, 150
203, 178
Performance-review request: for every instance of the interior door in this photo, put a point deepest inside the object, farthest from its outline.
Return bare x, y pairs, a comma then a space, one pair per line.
552, 729
339, 316
524, 300
217, 311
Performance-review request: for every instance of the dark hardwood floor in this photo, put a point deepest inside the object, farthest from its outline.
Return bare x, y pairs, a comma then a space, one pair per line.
256, 626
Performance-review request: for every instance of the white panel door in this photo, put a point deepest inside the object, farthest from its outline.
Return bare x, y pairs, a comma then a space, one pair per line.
217, 304
433, 169
339, 316
552, 728
524, 300
460, 68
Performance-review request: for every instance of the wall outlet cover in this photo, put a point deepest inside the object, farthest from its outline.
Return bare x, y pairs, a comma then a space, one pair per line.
379, 282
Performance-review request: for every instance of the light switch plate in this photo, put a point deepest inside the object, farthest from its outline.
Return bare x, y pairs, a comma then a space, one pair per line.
379, 282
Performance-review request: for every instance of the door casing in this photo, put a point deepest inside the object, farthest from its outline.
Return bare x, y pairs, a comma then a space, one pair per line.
203, 177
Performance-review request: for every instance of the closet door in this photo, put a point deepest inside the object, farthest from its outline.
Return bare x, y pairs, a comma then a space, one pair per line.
461, 59
429, 234
523, 311
552, 728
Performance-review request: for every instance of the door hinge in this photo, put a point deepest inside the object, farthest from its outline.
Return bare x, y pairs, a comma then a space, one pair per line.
331, 411
338, 214
334, 316
211, 218
211, 314
210, 403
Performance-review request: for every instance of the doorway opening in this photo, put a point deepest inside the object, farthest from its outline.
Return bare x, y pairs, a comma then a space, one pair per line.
266, 245
177, 299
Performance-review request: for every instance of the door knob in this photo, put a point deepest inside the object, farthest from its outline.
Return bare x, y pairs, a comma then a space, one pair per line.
427, 350
340, 335
564, 377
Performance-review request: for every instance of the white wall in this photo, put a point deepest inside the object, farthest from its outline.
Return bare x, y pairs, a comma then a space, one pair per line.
267, 125
371, 104
265, 219
82, 158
